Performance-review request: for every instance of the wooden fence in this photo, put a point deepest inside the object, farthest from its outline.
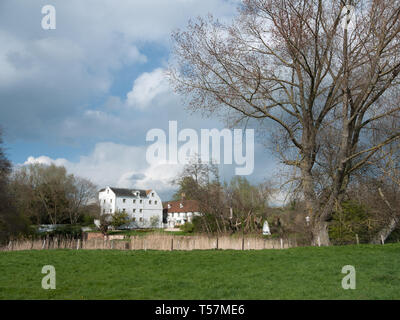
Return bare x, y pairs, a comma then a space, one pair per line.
154, 242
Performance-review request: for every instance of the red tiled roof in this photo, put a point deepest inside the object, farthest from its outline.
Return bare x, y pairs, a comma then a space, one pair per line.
188, 206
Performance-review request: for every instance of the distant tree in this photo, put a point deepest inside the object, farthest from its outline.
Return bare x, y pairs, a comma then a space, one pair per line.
105, 222
155, 221
119, 218
80, 193
11, 222
49, 194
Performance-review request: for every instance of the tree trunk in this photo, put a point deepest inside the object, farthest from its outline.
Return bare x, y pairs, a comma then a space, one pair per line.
385, 232
320, 233
388, 229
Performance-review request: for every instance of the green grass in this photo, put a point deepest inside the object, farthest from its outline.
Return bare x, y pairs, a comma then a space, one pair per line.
299, 273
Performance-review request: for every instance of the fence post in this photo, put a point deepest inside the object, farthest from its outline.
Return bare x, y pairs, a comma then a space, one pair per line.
319, 241
77, 244
44, 243
281, 243
383, 240
217, 242
243, 243
357, 240
172, 243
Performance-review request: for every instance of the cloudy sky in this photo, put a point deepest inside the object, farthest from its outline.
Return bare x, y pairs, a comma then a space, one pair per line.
85, 95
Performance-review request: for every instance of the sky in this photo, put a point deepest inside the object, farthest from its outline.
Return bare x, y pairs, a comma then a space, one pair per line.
86, 94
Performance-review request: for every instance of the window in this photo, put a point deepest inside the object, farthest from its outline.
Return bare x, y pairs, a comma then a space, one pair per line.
133, 219
141, 219
155, 202
108, 191
104, 210
110, 210
141, 201
134, 200
123, 200
104, 201
180, 205
110, 200
141, 210
152, 194
134, 210
123, 210
149, 201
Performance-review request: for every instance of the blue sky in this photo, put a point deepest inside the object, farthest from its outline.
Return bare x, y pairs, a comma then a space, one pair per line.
85, 95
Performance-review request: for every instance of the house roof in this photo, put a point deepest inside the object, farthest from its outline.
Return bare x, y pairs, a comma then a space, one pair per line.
187, 206
121, 192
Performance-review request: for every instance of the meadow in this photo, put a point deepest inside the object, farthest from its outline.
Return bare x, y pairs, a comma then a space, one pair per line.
296, 273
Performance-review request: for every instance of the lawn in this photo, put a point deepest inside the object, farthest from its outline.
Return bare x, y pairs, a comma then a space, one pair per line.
298, 273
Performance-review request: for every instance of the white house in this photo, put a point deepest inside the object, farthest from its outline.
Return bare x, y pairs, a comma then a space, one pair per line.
180, 212
143, 206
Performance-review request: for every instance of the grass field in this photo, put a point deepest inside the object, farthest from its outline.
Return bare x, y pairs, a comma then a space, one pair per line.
299, 273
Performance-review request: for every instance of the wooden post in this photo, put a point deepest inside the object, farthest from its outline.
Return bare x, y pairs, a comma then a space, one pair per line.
242, 243
172, 243
319, 241
217, 243
44, 243
383, 240
77, 244
357, 240
281, 243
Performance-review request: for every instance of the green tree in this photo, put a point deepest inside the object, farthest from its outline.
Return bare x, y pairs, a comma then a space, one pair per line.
12, 223
119, 218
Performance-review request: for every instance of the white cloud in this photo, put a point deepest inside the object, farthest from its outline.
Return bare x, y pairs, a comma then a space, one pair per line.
119, 166
147, 87
53, 75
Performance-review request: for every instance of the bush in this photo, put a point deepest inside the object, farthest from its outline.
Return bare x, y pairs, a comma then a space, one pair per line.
187, 227
119, 218
353, 219
154, 221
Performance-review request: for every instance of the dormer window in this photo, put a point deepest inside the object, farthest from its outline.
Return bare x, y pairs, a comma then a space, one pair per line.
181, 205
169, 206
152, 194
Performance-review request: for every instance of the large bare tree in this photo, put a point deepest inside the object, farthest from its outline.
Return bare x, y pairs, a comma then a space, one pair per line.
317, 83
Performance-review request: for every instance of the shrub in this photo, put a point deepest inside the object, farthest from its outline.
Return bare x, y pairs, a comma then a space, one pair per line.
187, 227
119, 218
154, 221
352, 219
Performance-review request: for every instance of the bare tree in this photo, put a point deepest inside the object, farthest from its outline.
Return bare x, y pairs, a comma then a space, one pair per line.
320, 86
81, 193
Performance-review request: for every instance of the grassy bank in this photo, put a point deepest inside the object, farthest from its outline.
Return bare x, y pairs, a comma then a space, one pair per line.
299, 273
